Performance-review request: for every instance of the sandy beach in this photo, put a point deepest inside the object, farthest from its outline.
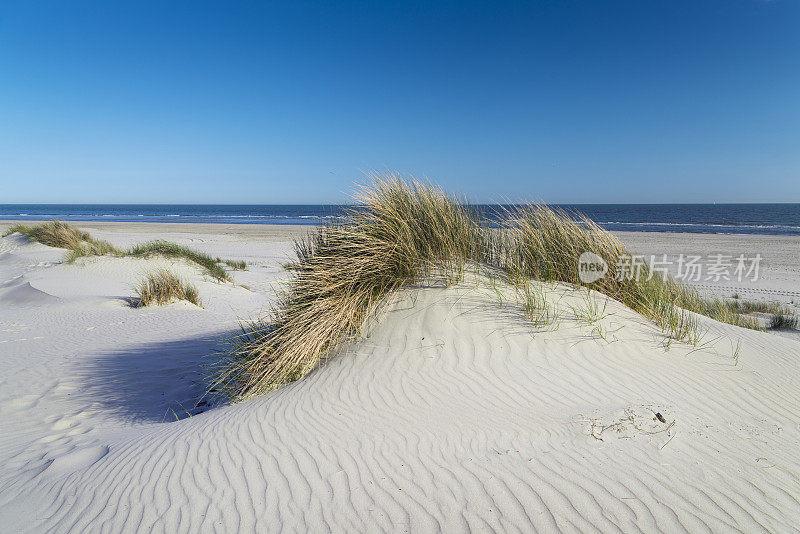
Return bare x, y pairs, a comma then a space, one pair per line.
779, 273
504, 267
451, 413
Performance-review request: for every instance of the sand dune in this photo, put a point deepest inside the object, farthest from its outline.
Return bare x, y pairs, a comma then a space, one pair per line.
24, 294
452, 413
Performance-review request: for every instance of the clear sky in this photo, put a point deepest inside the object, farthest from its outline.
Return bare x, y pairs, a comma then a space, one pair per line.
558, 101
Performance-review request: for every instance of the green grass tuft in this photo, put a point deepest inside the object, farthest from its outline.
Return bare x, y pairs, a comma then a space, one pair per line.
780, 321
162, 287
240, 265
760, 306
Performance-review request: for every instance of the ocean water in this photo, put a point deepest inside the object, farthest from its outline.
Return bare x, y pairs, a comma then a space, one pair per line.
770, 219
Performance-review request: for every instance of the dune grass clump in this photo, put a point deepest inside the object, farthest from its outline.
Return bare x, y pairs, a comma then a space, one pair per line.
545, 243
53, 234
405, 231
760, 306
62, 235
239, 265
162, 287
781, 321
173, 250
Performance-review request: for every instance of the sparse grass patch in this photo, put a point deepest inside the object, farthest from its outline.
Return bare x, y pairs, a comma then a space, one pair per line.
750, 306
544, 243
538, 310
240, 265
730, 312
173, 250
591, 311
162, 287
53, 234
92, 248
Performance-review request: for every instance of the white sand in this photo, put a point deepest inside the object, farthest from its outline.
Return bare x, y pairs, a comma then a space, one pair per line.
779, 273
454, 413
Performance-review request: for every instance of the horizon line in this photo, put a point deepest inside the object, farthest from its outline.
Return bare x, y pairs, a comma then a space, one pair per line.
356, 204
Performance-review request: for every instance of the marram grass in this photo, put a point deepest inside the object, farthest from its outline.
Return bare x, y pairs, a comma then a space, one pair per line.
162, 287
406, 230
782, 321
236, 265
62, 235
173, 250
342, 270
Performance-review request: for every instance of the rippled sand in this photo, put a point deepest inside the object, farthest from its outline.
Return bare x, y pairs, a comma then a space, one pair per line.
452, 412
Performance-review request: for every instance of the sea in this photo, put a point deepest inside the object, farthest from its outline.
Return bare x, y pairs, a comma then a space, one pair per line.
767, 219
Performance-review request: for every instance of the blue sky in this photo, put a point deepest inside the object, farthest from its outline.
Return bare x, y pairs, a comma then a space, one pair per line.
558, 101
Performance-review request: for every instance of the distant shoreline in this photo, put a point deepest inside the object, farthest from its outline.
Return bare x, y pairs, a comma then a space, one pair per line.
728, 219
302, 229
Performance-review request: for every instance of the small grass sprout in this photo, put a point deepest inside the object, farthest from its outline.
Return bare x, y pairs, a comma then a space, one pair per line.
239, 265
591, 311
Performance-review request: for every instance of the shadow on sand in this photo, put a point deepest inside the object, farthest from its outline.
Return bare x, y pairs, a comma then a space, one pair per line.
156, 382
